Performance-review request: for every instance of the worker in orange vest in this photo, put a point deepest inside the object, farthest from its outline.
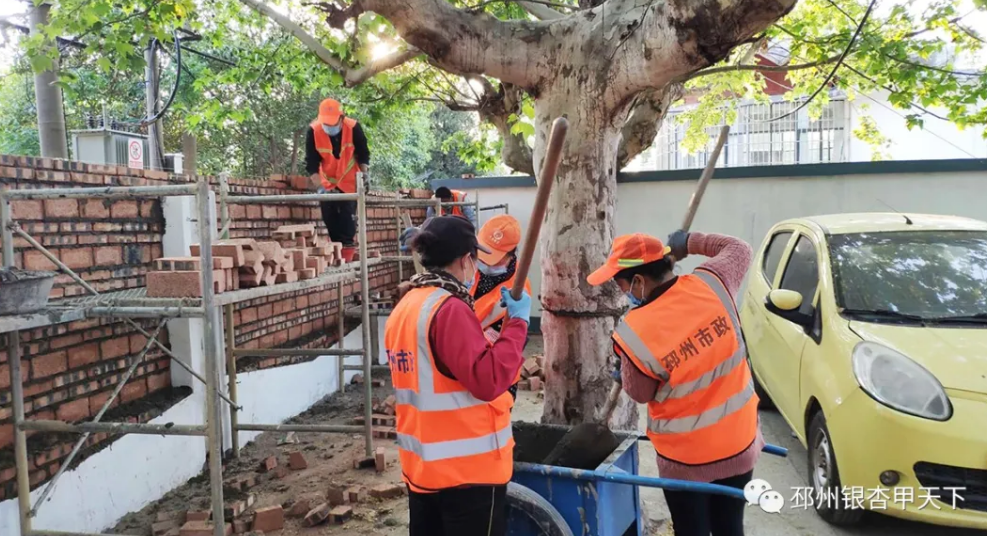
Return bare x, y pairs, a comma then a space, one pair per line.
495, 270
335, 150
453, 410
682, 353
447, 195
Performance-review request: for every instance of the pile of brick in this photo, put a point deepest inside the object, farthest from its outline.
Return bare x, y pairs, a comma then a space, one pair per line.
532, 374
336, 506
295, 254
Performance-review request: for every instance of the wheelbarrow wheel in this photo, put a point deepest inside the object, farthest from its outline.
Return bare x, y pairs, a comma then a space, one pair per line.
530, 510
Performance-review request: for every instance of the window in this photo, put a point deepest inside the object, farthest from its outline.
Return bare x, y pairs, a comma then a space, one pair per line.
772, 255
802, 273
761, 136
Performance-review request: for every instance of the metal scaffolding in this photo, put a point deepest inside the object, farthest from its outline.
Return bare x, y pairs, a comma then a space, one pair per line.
134, 303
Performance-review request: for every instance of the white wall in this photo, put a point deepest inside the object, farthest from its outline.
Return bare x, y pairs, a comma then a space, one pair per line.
747, 208
937, 139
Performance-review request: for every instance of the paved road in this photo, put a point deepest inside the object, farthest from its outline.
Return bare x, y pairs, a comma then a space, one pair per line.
785, 474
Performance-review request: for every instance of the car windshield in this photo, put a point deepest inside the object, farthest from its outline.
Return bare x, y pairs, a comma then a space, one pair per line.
924, 275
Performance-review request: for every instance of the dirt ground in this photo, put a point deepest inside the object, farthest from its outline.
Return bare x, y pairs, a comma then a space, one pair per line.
330, 460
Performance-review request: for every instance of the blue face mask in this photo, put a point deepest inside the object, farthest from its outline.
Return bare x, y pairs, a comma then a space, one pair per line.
469, 283
635, 301
332, 131
491, 270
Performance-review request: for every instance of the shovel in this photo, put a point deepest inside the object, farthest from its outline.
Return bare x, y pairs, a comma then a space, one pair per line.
589, 443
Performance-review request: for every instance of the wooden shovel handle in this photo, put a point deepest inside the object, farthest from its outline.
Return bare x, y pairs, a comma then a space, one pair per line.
697, 195
549, 167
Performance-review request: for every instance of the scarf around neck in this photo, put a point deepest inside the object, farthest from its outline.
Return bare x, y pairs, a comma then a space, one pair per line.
445, 281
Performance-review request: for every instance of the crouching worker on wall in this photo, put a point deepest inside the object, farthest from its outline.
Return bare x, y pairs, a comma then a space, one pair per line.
453, 408
682, 353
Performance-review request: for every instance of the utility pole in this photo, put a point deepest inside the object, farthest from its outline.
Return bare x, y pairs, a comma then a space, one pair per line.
155, 139
48, 95
190, 151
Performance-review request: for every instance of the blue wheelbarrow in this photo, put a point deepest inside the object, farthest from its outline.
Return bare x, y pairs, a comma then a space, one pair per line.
545, 500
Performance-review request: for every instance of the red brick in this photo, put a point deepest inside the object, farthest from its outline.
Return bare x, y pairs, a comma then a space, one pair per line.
191, 264
5, 374
356, 494
248, 315
287, 277
97, 400
198, 515
135, 388
269, 519
386, 491
95, 209
268, 464
180, 284
336, 494
61, 208
147, 208
380, 459
340, 514
234, 251
317, 515
6, 434
77, 258
124, 209
196, 528
158, 382
35, 260
297, 461
27, 209
241, 526
117, 347
83, 355
109, 256
73, 411
49, 364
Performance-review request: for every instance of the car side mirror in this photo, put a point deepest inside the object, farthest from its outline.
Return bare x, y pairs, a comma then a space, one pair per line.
786, 304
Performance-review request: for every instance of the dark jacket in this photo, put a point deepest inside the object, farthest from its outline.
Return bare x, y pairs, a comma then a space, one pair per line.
313, 159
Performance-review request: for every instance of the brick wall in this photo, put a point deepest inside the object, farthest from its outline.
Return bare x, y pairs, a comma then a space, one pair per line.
69, 370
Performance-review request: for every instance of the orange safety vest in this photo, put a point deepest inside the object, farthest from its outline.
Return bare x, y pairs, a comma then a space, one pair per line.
456, 210
446, 436
337, 172
488, 309
689, 339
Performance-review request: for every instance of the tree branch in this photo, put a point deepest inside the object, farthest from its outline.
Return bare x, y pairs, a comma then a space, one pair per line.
764, 68
351, 76
644, 121
541, 11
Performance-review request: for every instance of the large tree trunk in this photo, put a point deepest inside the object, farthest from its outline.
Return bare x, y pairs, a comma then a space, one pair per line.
578, 319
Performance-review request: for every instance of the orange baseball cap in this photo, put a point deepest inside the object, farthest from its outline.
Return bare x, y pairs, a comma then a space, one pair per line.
629, 251
501, 235
329, 112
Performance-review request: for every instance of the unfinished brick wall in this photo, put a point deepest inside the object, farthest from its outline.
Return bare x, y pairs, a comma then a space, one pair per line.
69, 370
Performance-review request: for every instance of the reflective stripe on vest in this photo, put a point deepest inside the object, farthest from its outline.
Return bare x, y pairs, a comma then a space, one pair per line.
344, 179
444, 450
497, 312
426, 399
667, 392
684, 340
470, 441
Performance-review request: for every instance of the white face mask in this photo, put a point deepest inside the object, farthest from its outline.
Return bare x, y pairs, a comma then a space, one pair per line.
491, 270
332, 131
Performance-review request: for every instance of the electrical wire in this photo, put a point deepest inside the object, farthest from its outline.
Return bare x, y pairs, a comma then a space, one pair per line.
178, 81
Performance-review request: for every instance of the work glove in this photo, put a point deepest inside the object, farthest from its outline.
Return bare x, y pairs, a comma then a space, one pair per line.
406, 237
679, 242
520, 308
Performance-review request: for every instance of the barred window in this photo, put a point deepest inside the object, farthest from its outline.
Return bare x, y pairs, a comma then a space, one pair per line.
754, 141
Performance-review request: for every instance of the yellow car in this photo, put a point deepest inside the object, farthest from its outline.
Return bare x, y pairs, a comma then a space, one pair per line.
868, 333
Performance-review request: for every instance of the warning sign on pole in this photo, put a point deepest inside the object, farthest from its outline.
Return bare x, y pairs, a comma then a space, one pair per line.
135, 154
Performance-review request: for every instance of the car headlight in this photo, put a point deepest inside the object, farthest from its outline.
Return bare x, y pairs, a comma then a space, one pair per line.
900, 383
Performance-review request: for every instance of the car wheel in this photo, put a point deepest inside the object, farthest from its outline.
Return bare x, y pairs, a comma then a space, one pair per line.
824, 476
764, 401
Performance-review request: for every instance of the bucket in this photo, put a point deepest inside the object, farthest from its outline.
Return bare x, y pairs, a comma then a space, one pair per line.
23, 291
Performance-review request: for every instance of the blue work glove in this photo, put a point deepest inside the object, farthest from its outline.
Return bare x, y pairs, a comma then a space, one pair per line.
406, 237
520, 308
322, 190
679, 242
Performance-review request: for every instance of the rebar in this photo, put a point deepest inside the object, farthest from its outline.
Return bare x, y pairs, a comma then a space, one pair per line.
329, 428
137, 360
290, 198
16, 382
365, 322
109, 192
307, 352
214, 415
45, 425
